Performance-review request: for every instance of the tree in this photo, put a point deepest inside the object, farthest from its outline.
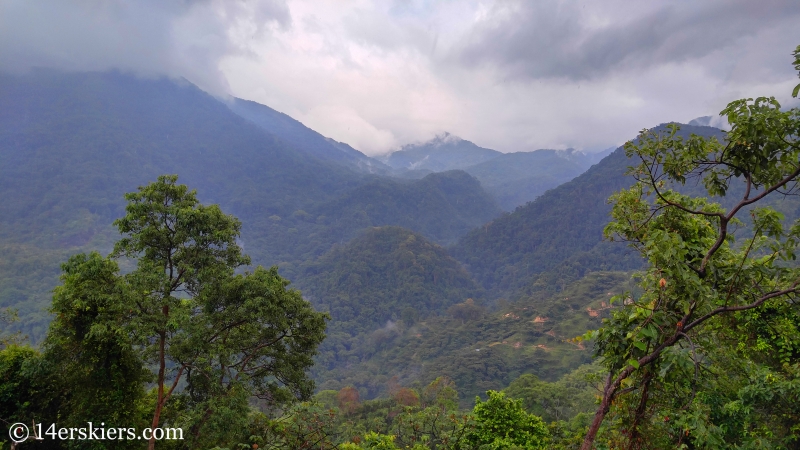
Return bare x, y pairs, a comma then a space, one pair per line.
7, 317
215, 338
502, 424
348, 399
88, 354
712, 269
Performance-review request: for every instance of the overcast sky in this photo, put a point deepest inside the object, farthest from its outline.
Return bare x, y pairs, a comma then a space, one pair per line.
508, 75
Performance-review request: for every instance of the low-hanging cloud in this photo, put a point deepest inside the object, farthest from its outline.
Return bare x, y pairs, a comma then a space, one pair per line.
579, 40
506, 74
178, 38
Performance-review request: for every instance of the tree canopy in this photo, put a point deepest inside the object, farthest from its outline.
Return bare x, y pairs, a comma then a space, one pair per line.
183, 317
696, 358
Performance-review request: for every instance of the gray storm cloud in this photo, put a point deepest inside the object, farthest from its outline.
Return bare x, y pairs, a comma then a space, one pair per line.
531, 40
178, 38
507, 74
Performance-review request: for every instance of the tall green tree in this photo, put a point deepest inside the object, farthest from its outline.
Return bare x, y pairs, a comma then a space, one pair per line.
720, 279
208, 338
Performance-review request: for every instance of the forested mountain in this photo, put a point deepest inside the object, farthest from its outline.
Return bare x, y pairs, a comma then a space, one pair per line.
384, 275
72, 144
561, 229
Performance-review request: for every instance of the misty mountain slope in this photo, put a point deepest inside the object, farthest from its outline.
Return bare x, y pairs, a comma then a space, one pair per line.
73, 144
384, 276
555, 230
517, 178
444, 152
304, 138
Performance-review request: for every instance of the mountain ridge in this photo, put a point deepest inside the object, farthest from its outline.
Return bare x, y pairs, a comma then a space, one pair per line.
303, 138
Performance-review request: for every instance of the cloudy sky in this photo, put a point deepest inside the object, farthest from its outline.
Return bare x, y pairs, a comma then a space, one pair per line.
509, 75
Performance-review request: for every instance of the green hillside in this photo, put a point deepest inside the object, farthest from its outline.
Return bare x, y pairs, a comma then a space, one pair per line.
73, 144
385, 274
561, 230
476, 348
385, 279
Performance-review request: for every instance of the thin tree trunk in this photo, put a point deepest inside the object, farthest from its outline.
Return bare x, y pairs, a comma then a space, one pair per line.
640, 410
160, 402
600, 415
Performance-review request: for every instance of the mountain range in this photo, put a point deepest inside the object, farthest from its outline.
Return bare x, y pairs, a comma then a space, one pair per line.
512, 178
71, 144
422, 272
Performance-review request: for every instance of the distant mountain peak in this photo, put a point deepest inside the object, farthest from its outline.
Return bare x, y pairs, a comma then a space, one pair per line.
444, 152
445, 138
440, 140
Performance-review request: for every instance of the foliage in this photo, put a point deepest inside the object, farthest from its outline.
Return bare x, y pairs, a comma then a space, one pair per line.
796, 54
383, 423
181, 319
573, 394
89, 348
18, 388
706, 296
504, 254
502, 423
372, 441
7, 317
